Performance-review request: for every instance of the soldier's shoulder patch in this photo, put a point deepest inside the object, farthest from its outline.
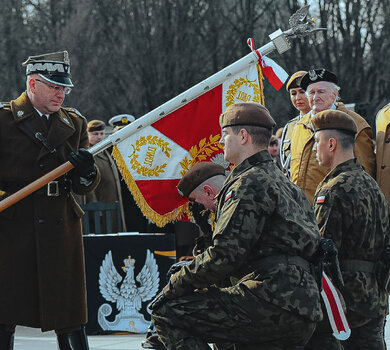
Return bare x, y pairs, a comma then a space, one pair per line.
321, 197
231, 194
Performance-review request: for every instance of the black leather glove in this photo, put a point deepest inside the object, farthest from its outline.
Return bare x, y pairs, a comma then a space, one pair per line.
159, 300
83, 162
201, 216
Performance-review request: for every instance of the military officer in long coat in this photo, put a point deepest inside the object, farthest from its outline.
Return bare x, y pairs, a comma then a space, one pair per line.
42, 278
264, 235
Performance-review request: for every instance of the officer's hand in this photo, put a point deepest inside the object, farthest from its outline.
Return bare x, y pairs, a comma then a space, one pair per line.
201, 216
158, 301
83, 162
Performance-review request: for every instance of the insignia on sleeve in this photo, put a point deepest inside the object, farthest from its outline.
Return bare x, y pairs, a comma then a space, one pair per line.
320, 199
1, 105
228, 195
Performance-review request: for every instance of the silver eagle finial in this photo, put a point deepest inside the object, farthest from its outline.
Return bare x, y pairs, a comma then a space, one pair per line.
300, 28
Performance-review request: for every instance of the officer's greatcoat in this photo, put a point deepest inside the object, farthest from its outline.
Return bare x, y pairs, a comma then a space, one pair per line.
42, 278
305, 170
383, 150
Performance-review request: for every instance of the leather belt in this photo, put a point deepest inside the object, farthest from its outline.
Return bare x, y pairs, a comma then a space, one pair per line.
358, 265
271, 261
52, 189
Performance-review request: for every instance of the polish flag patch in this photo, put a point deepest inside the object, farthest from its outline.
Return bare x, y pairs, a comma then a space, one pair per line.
320, 199
228, 196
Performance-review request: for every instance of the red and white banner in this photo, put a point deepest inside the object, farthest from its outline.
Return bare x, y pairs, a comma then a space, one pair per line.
275, 74
334, 309
155, 158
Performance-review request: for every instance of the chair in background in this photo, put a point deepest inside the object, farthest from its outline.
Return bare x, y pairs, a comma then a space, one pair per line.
101, 217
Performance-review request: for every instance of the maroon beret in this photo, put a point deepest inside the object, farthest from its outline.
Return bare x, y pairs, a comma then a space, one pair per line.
96, 125
334, 119
199, 173
246, 113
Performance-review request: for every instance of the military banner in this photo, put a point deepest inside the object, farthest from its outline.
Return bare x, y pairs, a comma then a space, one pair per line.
154, 159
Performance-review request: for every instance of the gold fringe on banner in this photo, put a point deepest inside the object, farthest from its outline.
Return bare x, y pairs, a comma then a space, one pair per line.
153, 216
261, 85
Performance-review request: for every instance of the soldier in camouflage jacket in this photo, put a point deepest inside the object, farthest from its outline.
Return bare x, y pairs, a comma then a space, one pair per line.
353, 212
265, 233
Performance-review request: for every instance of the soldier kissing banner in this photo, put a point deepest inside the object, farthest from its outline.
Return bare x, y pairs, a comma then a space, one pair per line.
153, 160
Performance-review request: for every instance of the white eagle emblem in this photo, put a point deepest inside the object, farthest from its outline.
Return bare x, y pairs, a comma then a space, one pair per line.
128, 297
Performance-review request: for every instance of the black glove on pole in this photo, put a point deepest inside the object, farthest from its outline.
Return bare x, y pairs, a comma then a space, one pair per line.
83, 162
201, 216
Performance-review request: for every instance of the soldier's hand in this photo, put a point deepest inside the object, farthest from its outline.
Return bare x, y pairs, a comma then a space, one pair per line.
83, 162
177, 267
201, 216
158, 301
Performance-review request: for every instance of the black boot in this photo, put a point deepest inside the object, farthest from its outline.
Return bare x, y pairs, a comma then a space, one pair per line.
76, 340
6, 338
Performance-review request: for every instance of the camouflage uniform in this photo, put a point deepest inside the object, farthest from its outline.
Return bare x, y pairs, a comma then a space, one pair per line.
261, 219
352, 210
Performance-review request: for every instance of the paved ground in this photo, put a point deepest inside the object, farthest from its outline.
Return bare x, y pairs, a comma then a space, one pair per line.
33, 339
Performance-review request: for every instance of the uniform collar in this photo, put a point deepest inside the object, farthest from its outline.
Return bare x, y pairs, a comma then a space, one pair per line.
257, 158
348, 165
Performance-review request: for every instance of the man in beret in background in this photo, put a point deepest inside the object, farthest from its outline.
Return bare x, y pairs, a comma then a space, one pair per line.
300, 102
42, 275
264, 235
322, 90
383, 150
353, 212
109, 188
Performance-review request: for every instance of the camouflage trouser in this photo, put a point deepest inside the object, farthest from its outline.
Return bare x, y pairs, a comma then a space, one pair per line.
322, 338
229, 315
366, 333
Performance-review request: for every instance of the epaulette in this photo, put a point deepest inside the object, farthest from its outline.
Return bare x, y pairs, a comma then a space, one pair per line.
74, 110
4, 104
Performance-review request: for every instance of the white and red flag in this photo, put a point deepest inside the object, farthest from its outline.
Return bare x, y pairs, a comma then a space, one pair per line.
154, 159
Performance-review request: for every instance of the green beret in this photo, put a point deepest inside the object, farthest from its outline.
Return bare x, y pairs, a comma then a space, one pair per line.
334, 119
199, 173
317, 75
96, 125
295, 80
248, 113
